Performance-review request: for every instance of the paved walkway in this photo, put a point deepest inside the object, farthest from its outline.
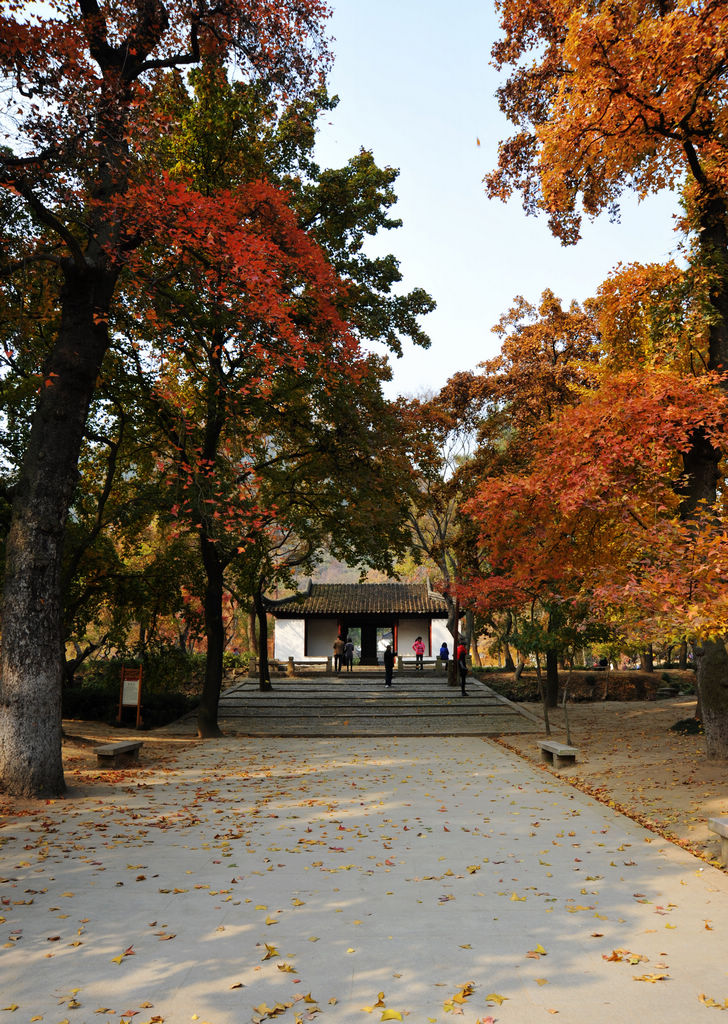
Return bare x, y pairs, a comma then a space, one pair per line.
350, 880
358, 705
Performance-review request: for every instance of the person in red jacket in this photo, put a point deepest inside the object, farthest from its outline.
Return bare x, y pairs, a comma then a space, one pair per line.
419, 648
462, 663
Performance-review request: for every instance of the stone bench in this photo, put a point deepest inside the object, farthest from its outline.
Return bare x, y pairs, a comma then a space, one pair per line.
720, 827
115, 755
556, 753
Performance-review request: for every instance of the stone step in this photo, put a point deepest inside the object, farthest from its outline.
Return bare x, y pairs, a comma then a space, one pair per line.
351, 706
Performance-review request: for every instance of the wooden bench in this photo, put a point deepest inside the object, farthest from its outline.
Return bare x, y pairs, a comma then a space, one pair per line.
720, 827
115, 755
557, 754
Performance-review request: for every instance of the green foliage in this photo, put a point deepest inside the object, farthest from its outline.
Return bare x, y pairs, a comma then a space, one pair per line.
163, 671
583, 687
170, 679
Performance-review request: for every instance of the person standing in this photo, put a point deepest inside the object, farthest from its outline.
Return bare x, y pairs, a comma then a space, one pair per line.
462, 662
349, 654
338, 653
419, 648
388, 665
444, 654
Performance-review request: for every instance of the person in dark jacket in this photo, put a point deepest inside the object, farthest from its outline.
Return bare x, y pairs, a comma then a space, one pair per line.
388, 665
349, 654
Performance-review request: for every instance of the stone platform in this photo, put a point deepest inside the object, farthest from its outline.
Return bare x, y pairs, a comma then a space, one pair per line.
357, 705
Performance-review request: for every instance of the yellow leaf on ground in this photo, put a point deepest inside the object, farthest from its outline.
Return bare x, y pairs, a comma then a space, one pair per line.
495, 998
391, 1015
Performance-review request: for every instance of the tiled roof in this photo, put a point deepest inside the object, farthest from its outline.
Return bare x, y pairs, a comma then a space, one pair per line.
362, 599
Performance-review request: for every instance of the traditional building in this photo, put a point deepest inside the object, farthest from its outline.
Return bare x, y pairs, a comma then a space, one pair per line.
373, 614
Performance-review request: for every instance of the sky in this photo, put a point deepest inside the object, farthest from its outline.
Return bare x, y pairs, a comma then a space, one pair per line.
416, 87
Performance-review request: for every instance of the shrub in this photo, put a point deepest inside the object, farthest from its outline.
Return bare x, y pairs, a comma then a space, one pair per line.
170, 684
688, 727
95, 701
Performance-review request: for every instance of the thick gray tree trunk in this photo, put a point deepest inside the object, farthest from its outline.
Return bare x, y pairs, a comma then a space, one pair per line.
32, 654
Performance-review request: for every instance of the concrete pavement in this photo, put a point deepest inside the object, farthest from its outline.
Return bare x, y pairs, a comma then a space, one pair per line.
350, 880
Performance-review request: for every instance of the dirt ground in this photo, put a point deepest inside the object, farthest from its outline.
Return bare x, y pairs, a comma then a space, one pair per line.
628, 758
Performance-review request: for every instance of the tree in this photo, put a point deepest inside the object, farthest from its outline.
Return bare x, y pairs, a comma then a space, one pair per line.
548, 357
80, 119
595, 519
627, 94
266, 398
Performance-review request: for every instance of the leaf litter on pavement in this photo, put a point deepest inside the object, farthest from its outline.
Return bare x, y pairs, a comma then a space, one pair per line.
313, 848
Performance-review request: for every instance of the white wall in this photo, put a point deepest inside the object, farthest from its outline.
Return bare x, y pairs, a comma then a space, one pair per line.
321, 636
440, 632
289, 639
409, 630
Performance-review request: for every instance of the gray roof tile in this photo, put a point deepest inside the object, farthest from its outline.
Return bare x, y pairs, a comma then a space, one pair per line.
362, 599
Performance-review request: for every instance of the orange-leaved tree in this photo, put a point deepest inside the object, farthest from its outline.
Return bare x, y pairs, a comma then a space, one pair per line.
629, 94
80, 114
595, 519
547, 359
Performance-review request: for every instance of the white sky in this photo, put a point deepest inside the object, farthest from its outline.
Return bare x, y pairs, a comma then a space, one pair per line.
416, 87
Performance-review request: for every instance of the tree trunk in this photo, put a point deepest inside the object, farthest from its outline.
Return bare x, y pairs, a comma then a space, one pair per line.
552, 678
542, 692
262, 615
683, 656
253, 631
701, 461
509, 665
30, 680
207, 712
647, 662
470, 629
713, 692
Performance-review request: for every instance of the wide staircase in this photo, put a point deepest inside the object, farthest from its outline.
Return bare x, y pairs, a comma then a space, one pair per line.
359, 705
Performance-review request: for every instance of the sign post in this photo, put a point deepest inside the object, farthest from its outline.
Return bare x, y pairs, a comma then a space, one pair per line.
131, 691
